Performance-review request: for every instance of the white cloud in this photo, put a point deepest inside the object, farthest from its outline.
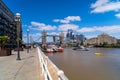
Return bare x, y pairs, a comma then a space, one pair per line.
117, 15
102, 6
109, 29
34, 37
68, 19
36, 34
73, 18
41, 26
48, 27
106, 29
90, 36
33, 28
62, 21
37, 24
86, 30
99, 3
53, 33
65, 27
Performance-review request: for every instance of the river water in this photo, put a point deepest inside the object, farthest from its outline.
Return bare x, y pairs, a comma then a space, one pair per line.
85, 65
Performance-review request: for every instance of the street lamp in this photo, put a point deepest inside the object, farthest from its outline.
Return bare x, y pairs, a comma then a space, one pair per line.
18, 23
28, 40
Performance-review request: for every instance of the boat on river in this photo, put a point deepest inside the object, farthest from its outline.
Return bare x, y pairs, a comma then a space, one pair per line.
81, 48
53, 48
98, 54
49, 50
59, 49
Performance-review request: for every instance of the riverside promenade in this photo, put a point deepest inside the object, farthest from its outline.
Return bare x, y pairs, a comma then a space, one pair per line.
34, 65
28, 68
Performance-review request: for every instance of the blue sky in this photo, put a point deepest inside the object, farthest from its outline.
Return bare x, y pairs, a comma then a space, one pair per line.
87, 17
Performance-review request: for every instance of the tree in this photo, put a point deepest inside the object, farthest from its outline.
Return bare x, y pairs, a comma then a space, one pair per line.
3, 41
81, 43
105, 43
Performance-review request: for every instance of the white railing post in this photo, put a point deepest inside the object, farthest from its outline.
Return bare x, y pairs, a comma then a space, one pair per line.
45, 75
44, 65
46, 60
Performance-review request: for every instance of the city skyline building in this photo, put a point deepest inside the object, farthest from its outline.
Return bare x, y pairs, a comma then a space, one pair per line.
81, 38
77, 37
69, 35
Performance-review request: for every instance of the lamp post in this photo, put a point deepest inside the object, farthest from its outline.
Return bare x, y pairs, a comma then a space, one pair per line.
18, 23
28, 40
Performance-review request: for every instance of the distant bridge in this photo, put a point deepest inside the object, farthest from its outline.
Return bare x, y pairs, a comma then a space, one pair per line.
45, 35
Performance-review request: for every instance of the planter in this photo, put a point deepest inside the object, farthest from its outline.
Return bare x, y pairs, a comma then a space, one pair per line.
16, 49
5, 52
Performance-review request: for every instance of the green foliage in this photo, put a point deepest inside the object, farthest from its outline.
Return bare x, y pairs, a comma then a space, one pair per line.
3, 40
118, 42
81, 43
72, 43
105, 43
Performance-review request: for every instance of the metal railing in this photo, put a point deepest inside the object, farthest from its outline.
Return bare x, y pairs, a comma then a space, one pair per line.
44, 65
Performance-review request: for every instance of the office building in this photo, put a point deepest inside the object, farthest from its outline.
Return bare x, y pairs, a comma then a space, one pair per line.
8, 26
69, 35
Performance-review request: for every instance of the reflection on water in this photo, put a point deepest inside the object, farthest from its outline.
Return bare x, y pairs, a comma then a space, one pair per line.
84, 65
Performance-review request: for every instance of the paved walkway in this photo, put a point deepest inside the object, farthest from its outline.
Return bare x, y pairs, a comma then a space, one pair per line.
28, 68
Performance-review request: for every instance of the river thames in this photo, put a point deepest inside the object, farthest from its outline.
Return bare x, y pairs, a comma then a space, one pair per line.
85, 65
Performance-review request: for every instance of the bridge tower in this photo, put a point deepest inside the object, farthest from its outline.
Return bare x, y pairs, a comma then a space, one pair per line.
61, 35
44, 37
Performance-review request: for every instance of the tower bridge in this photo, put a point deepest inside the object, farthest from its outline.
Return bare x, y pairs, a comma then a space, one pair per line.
54, 37
45, 35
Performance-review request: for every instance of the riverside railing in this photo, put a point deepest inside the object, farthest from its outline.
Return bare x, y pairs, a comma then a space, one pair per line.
44, 65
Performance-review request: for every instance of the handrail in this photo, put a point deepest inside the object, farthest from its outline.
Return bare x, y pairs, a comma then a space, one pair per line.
45, 71
60, 73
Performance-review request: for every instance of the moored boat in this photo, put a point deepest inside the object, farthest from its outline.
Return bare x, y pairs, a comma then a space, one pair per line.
60, 49
52, 49
49, 50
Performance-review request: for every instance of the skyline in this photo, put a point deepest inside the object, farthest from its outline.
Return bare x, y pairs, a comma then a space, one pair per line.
89, 18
